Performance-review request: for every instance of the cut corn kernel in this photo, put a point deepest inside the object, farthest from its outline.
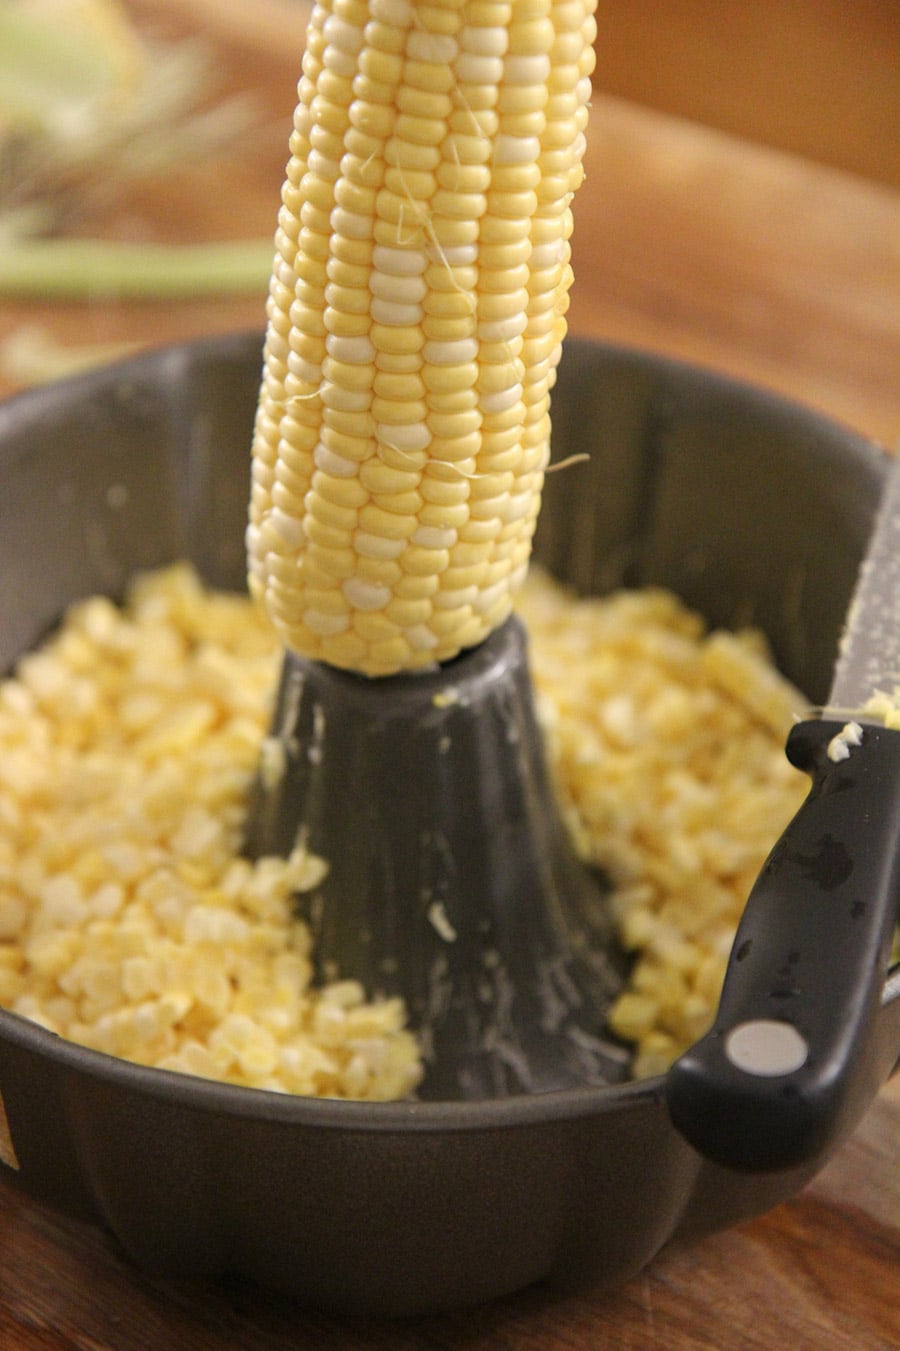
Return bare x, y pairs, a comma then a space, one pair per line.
129, 921
130, 924
416, 313
666, 748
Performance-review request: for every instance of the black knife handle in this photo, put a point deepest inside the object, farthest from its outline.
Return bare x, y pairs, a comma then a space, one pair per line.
787, 1069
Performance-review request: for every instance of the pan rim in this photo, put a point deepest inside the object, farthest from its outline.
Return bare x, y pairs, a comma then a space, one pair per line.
179, 1088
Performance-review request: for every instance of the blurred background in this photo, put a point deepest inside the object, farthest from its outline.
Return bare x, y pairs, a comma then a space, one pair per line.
741, 208
819, 78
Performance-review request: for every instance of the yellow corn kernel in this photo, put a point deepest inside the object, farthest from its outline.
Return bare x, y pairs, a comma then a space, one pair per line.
419, 289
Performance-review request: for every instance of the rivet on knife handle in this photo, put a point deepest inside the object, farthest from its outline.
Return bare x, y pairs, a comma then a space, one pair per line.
787, 1069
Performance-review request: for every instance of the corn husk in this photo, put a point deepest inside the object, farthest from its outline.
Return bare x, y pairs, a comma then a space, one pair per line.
88, 105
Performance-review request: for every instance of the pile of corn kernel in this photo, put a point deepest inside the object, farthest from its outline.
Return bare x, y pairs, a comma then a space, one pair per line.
129, 922
667, 748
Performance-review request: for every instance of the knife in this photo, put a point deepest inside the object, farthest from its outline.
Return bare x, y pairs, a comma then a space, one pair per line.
792, 1060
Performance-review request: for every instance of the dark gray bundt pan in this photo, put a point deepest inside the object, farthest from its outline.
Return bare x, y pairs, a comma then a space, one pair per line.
750, 508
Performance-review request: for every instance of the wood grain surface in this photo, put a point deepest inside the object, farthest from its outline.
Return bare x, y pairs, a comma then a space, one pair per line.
819, 1273
689, 241
818, 78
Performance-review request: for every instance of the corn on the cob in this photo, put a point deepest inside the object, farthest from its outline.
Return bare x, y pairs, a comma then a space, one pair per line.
416, 313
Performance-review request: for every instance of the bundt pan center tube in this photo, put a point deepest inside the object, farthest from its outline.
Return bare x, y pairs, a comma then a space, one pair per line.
451, 880
695, 483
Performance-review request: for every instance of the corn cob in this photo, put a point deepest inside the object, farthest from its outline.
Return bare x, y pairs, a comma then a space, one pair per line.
415, 318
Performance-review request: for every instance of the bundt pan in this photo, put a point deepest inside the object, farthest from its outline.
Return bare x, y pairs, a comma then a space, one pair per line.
751, 509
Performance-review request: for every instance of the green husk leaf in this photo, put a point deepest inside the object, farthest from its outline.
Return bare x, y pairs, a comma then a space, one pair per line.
102, 269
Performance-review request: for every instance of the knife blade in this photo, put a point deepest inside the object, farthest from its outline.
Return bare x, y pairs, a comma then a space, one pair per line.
869, 652
783, 1074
